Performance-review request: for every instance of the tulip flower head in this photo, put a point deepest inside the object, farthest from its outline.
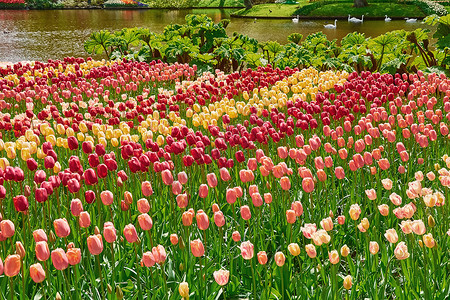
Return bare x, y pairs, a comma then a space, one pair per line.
247, 250
221, 277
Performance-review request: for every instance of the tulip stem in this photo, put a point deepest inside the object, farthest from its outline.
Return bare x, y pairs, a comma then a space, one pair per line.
138, 274
282, 284
97, 261
66, 286
11, 284
23, 281
113, 277
254, 281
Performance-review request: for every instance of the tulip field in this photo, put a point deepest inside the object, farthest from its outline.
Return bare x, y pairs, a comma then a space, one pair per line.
133, 180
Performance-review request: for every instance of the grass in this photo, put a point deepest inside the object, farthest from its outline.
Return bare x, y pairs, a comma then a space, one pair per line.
221, 3
272, 10
447, 8
373, 10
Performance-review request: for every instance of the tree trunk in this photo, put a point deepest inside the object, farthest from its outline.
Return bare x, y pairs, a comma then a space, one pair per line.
248, 4
360, 3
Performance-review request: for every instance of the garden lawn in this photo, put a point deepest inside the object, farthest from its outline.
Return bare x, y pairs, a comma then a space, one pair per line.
272, 10
221, 3
373, 10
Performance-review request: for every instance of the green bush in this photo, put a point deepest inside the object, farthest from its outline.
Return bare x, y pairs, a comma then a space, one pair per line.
203, 43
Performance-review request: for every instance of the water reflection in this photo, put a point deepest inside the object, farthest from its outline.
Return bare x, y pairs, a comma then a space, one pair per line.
40, 35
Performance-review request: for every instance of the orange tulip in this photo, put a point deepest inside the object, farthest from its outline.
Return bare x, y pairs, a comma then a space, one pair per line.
290, 216
62, 228
95, 244
73, 256
37, 273
130, 233
59, 259
262, 257
42, 251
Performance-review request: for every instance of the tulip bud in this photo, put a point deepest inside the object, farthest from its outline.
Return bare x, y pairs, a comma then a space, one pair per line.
109, 288
183, 289
27, 191
348, 282
58, 296
119, 293
20, 250
431, 221
51, 237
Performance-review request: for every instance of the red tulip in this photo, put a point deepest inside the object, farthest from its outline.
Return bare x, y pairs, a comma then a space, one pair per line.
20, 203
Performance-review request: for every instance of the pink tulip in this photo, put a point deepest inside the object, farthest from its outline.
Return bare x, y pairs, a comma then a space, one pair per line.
62, 228
245, 212
59, 259
203, 191
247, 250
107, 197
148, 259
76, 207
109, 232
95, 244
145, 222
7, 228
182, 177
221, 277
130, 233
202, 220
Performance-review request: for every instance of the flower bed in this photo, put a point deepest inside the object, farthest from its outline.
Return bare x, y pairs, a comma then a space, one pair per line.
147, 179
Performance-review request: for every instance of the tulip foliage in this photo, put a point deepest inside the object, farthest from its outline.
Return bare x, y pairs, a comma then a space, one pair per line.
123, 179
205, 44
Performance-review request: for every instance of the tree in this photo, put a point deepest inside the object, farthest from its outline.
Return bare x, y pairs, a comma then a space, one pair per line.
248, 4
360, 3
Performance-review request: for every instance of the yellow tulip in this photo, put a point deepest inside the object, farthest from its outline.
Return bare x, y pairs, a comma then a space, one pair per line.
135, 138
25, 154
83, 127
160, 140
80, 136
33, 147
57, 167
51, 138
103, 141
115, 142
60, 129
117, 133
89, 139
4, 163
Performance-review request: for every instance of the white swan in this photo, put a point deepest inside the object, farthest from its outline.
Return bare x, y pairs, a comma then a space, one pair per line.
356, 20
408, 20
387, 19
331, 26
295, 20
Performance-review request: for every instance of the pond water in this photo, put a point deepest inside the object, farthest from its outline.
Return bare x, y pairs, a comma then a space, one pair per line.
44, 34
